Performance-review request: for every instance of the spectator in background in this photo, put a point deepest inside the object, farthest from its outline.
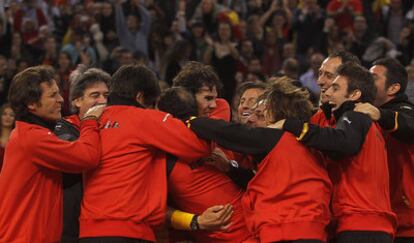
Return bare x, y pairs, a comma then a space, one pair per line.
309, 79
133, 29
208, 10
405, 47
361, 37
344, 11
28, 19
272, 56
4, 80
177, 57
7, 120
107, 24
308, 24
50, 55
392, 20
223, 55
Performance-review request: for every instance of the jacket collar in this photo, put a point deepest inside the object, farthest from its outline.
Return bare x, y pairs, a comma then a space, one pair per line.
346, 106
402, 98
33, 119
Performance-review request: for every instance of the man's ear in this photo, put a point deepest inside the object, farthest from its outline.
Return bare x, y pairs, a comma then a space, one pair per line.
355, 95
76, 103
31, 106
393, 89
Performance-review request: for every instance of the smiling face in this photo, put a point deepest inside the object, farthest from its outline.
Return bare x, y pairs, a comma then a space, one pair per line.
327, 74
96, 93
247, 103
50, 103
337, 93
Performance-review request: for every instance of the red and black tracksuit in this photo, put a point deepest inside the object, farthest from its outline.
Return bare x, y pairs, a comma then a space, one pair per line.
397, 122
358, 169
126, 195
31, 180
288, 199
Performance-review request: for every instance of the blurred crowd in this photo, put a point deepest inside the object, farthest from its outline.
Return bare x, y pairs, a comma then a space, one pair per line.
244, 40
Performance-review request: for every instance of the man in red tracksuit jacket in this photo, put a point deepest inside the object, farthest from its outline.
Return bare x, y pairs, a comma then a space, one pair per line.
395, 115
358, 169
125, 198
31, 179
288, 198
88, 87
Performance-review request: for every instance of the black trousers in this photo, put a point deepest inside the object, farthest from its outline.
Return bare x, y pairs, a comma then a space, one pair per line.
112, 240
404, 240
363, 237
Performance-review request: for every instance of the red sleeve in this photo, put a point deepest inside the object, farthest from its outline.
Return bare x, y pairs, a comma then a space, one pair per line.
171, 135
222, 111
51, 152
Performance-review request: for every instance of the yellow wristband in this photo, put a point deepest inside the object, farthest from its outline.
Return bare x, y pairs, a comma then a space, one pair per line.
181, 220
304, 131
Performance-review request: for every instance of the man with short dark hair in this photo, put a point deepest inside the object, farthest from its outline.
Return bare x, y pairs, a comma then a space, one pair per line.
125, 198
31, 178
357, 161
202, 81
395, 115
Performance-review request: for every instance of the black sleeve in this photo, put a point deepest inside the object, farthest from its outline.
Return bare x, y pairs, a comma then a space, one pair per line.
237, 137
404, 124
344, 140
66, 131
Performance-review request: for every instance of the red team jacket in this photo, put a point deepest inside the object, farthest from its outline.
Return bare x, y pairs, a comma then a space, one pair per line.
31, 180
358, 204
288, 199
126, 195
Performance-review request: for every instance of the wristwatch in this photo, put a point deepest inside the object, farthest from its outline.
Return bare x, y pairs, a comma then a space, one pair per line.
194, 223
234, 164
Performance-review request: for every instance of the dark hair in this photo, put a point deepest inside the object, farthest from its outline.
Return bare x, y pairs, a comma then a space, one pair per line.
285, 100
395, 73
128, 80
359, 78
250, 85
179, 102
82, 78
194, 75
25, 87
345, 57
